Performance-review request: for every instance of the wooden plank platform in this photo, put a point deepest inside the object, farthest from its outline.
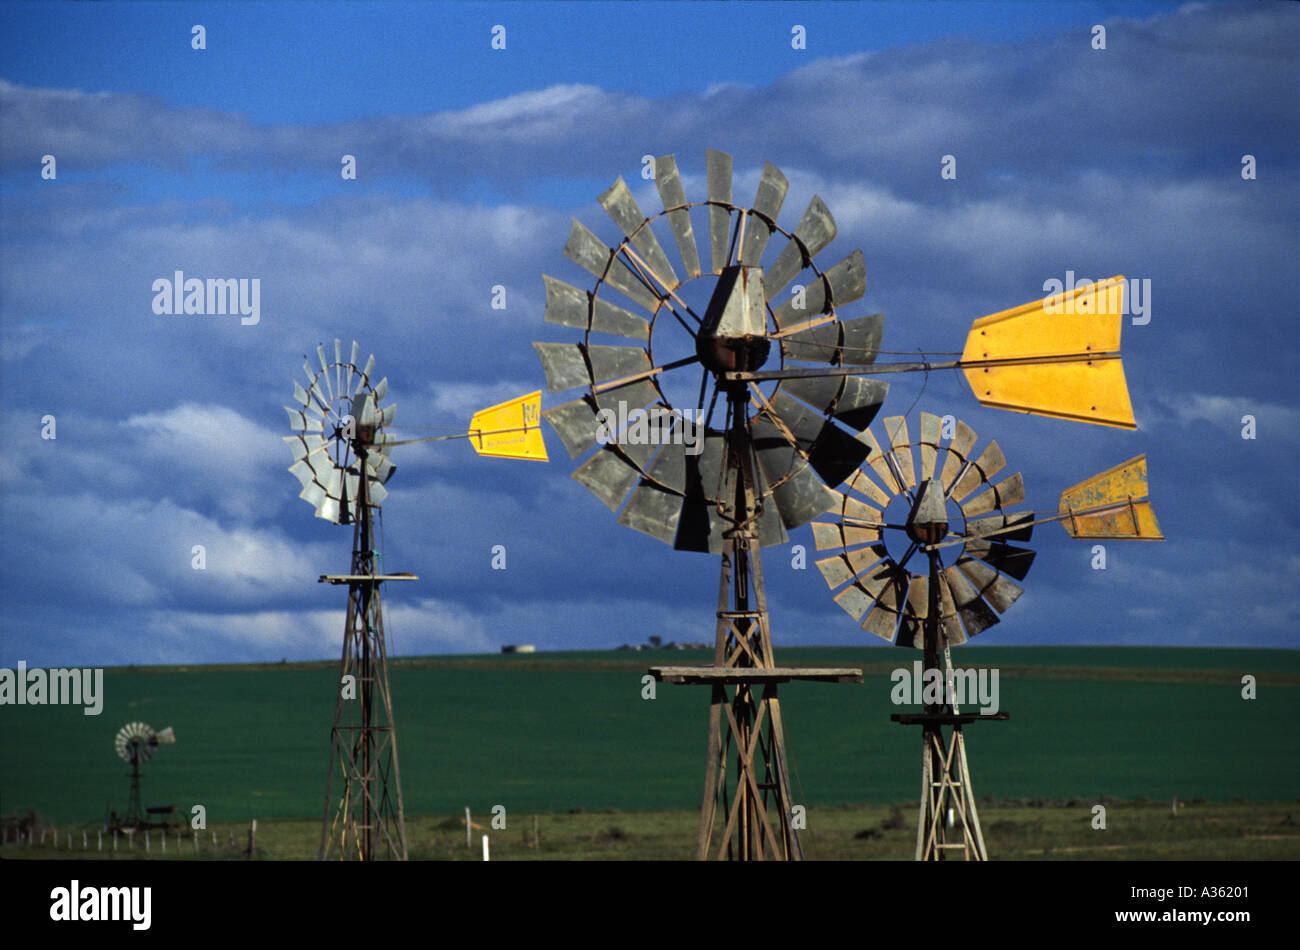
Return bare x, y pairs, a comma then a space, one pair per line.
749, 674
947, 719
349, 578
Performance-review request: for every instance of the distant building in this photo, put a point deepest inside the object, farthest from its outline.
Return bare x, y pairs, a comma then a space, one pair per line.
519, 648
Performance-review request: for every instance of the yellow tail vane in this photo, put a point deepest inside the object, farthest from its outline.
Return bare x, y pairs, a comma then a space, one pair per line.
511, 429
1112, 504
1058, 356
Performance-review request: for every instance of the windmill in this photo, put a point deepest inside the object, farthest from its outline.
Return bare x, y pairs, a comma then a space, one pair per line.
135, 743
784, 438
942, 606
342, 447
724, 469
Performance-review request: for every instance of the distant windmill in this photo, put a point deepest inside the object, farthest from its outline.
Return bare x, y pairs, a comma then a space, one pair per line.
135, 743
342, 447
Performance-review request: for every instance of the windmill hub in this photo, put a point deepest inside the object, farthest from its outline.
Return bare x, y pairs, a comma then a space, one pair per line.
928, 521
733, 336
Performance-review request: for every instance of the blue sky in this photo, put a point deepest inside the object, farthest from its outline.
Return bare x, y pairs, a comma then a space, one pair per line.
471, 161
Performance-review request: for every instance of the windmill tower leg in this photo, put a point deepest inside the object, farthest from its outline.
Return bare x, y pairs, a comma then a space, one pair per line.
367, 821
945, 774
754, 804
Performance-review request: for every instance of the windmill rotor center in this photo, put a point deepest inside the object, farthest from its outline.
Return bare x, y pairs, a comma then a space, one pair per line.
733, 336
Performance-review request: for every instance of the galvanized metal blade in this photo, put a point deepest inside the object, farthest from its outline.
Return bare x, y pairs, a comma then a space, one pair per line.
623, 209
701, 526
878, 463
338, 367
673, 196
931, 426
819, 392
563, 365
841, 285
959, 450
798, 493
325, 371
975, 614
861, 338
369, 368
864, 560
575, 423
977, 527
718, 166
949, 622
609, 476
991, 585
616, 362
653, 511
1010, 491
836, 570
854, 600
990, 462
815, 230
300, 395
862, 483
627, 397
594, 256
816, 344
352, 365
381, 390
568, 306
912, 631
827, 535
860, 400
1007, 558
896, 430
772, 188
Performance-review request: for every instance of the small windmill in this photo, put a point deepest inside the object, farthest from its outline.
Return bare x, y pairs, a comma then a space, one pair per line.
135, 743
342, 447
776, 454
941, 607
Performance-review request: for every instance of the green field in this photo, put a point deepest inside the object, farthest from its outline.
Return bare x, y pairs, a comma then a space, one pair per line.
550, 733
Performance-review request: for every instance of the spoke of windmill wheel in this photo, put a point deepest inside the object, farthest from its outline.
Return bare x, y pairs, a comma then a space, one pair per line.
637, 265
772, 188
596, 258
619, 204
673, 196
815, 230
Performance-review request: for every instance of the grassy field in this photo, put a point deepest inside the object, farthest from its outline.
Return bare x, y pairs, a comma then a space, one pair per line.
549, 733
1046, 831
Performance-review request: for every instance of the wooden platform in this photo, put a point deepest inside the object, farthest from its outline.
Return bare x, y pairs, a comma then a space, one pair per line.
750, 674
947, 719
376, 578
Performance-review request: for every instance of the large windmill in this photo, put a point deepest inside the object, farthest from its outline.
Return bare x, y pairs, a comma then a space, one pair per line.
342, 445
772, 443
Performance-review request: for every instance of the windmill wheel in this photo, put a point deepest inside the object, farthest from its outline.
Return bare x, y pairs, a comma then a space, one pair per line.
339, 413
645, 402
870, 567
135, 738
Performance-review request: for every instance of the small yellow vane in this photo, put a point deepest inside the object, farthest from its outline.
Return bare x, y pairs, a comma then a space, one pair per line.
511, 429
1058, 356
1112, 504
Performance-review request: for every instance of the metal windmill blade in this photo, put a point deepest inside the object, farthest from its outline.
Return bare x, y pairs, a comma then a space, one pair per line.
671, 485
341, 404
870, 556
